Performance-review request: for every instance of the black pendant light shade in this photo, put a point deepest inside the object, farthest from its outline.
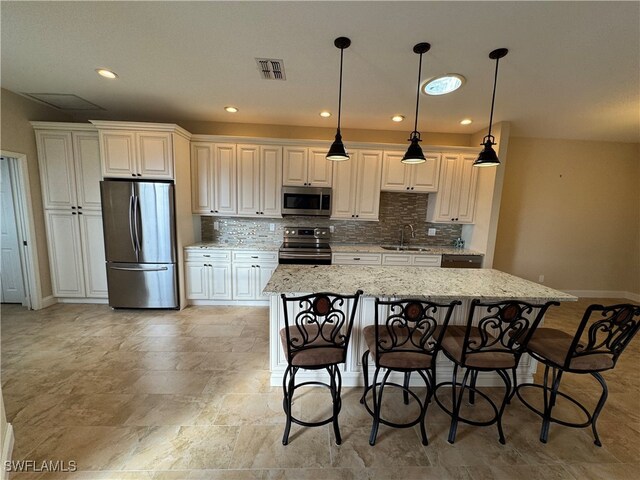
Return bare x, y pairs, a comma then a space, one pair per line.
414, 152
337, 152
488, 156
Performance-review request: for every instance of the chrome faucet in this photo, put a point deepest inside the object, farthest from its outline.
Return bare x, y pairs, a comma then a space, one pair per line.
413, 233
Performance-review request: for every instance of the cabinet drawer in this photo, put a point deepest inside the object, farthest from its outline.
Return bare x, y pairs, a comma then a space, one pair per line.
356, 259
427, 260
213, 255
255, 257
396, 259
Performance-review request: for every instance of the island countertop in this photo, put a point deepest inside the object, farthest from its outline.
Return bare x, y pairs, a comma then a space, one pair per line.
405, 282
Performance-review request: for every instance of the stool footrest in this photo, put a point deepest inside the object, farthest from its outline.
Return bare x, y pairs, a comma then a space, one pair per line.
551, 418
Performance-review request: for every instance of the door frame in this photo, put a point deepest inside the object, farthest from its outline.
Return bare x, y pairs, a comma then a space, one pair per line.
19, 177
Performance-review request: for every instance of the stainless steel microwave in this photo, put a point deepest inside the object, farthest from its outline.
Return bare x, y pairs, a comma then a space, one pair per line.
314, 201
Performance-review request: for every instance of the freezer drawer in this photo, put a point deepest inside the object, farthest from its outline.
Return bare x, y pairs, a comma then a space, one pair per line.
135, 285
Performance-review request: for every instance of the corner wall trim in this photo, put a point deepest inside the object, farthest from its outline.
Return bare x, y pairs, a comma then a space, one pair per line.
7, 450
604, 294
48, 301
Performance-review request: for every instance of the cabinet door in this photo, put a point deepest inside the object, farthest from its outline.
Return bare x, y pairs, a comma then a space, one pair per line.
93, 260
263, 274
424, 176
202, 177
320, 169
395, 174
467, 189
118, 153
446, 208
244, 282
248, 180
155, 155
220, 281
65, 253
55, 158
368, 196
224, 191
294, 166
344, 189
197, 274
270, 181
86, 152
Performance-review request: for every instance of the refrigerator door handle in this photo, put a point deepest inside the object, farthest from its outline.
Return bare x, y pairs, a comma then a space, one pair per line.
131, 215
140, 269
136, 223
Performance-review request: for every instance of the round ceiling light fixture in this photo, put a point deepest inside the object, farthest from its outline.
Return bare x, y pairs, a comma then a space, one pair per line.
325, 114
231, 109
397, 118
466, 121
443, 84
106, 73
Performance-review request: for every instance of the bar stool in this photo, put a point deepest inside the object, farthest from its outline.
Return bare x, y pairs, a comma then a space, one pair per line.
493, 339
603, 334
406, 341
316, 339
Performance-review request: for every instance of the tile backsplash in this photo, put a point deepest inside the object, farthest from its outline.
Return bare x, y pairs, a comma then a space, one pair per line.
396, 210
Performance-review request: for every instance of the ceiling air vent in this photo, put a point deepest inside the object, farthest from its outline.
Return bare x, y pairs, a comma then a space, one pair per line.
271, 68
64, 101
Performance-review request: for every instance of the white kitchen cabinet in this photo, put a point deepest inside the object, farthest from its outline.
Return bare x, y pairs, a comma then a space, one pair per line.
69, 164
416, 178
251, 272
356, 186
259, 180
138, 154
208, 275
213, 178
455, 201
76, 254
356, 259
304, 166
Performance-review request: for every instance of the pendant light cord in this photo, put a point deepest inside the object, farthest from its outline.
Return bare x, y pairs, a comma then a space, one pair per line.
340, 90
415, 126
493, 97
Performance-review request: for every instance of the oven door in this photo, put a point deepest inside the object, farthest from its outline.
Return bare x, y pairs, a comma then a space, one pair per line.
306, 201
304, 258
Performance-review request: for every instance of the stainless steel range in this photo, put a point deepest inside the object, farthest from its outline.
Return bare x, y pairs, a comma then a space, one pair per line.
308, 246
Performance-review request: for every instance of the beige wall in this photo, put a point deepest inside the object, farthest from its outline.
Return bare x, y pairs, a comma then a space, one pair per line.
571, 212
17, 136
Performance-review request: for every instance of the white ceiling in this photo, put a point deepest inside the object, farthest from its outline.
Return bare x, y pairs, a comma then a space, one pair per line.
572, 69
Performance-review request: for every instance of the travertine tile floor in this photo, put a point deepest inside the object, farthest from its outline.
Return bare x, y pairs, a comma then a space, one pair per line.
185, 395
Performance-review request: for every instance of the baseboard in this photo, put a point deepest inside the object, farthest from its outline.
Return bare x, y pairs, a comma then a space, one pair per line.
238, 303
604, 294
7, 449
99, 301
48, 301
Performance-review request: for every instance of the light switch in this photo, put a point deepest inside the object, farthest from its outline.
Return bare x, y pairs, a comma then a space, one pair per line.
216, 225
332, 228
431, 232
272, 227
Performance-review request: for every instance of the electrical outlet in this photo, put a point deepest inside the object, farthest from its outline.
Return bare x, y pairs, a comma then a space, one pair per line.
332, 228
431, 232
216, 225
541, 279
272, 227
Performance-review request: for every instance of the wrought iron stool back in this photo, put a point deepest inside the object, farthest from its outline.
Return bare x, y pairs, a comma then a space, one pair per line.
600, 339
316, 337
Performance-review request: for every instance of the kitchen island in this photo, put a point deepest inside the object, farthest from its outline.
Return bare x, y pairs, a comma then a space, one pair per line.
436, 284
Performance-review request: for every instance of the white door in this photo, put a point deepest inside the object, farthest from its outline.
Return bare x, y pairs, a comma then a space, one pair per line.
395, 174
196, 274
243, 282
447, 201
468, 185
270, 181
95, 272
320, 169
220, 281
65, 253
344, 189
118, 150
263, 274
202, 177
155, 155
424, 176
248, 180
224, 191
368, 180
294, 166
55, 158
86, 152
12, 281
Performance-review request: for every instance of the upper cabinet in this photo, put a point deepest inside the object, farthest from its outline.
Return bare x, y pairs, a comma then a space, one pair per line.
455, 201
356, 186
138, 150
304, 166
213, 178
416, 178
259, 180
69, 162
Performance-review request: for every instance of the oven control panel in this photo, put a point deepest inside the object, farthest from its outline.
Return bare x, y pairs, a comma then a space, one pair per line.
300, 233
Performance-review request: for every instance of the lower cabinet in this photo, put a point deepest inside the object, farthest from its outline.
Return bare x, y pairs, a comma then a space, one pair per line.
251, 272
76, 254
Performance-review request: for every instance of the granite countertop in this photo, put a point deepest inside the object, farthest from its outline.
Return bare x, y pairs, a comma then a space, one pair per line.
267, 246
427, 249
440, 283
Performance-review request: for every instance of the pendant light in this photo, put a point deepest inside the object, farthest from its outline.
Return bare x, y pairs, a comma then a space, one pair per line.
414, 152
337, 151
488, 156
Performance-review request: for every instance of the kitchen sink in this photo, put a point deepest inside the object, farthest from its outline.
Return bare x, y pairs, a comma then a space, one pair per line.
398, 248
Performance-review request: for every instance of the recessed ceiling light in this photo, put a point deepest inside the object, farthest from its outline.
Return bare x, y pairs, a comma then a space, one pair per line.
325, 114
466, 121
106, 73
443, 84
231, 109
397, 118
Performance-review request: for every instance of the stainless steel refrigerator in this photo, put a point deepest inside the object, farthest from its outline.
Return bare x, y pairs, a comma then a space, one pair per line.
140, 244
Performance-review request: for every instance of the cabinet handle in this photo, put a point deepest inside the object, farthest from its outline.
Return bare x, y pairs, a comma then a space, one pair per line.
411, 188
261, 213
206, 255
254, 256
257, 266
73, 213
79, 208
357, 216
133, 174
356, 258
79, 213
139, 174
211, 211
407, 188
